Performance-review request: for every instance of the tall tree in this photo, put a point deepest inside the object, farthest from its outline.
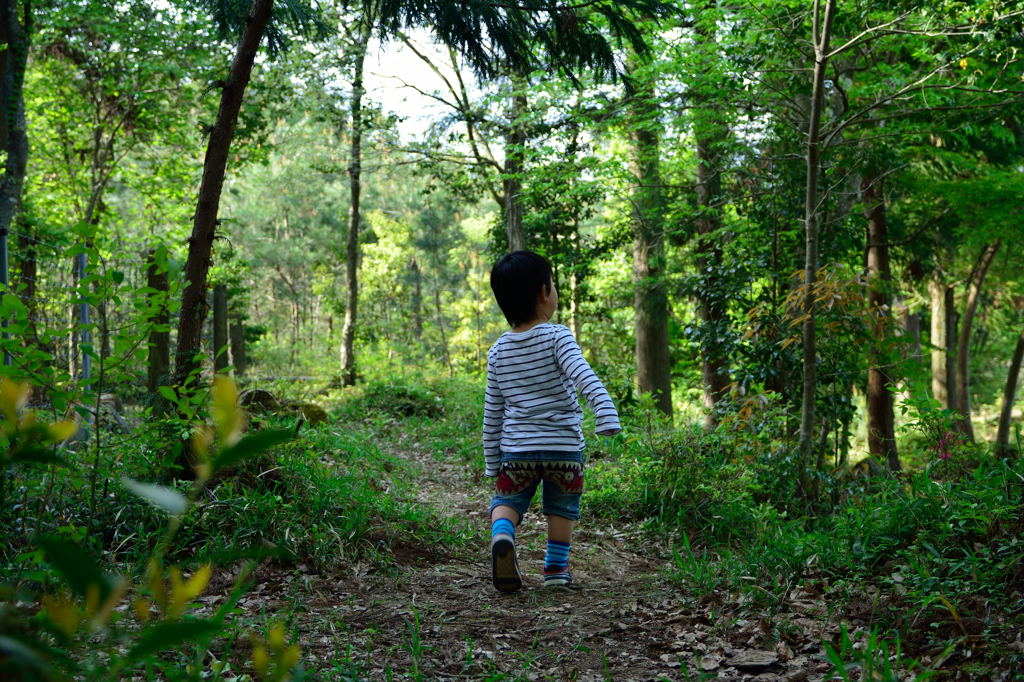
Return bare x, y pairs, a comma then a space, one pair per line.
348, 355
204, 226
880, 390
650, 302
943, 341
1009, 394
14, 36
821, 35
710, 135
963, 349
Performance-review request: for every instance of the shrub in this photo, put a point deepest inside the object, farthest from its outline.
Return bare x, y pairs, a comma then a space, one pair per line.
399, 399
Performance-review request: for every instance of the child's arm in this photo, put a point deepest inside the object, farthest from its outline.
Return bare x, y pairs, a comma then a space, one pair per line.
574, 365
494, 415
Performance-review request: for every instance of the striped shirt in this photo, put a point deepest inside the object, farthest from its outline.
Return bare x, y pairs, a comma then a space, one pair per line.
531, 404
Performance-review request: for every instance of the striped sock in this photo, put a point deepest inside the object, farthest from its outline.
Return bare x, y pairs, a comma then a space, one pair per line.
503, 526
557, 557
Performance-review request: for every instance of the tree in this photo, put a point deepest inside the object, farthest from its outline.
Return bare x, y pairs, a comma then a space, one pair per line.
880, 415
200, 245
14, 35
348, 355
1009, 394
821, 35
650, 307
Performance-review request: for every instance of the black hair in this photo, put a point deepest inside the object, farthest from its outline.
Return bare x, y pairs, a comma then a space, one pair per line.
516, 280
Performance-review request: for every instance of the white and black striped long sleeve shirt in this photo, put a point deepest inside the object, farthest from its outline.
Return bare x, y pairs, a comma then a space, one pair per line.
531, 404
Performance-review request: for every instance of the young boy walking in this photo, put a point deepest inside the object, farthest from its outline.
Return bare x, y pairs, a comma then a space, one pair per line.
532, 417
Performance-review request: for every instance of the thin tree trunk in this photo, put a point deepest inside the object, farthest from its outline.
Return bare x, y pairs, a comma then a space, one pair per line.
204, 227
29, 273
650, 300
159, 365
822, 32
515, 145
236, 334
220, 328
963, 350
1009, 396
881, 420
348, 354
943, 341
441, 328
574, 292
417, 299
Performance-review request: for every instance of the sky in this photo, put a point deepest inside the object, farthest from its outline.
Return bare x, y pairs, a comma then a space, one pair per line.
389, 70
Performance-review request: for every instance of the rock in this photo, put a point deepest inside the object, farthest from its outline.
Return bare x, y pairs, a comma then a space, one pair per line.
751, 660
259, 399
313, 413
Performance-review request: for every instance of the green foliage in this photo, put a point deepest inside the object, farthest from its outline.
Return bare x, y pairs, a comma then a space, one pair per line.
682, 480
49, 633
874, 659
399, 399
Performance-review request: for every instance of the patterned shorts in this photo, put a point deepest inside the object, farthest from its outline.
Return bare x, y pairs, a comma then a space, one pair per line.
562, 485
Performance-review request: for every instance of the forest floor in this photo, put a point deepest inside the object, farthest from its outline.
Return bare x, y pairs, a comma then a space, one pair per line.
435, 615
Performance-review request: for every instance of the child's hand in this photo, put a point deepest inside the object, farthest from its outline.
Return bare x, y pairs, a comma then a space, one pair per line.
609, 433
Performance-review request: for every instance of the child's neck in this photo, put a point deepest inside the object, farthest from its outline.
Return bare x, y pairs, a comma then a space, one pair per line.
527, 326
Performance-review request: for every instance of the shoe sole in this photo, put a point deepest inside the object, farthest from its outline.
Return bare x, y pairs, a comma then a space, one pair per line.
504, 569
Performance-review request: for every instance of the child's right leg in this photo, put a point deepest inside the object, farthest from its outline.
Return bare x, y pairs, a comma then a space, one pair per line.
504, 566
513, 491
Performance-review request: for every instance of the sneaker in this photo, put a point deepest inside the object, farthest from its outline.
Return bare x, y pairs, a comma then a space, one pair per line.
504, 567
558, 578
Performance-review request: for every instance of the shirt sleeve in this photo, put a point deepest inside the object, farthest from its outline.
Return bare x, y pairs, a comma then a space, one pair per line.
494, 415
571, 361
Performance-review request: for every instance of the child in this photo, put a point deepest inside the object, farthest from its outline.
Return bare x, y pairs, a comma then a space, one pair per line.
532, 418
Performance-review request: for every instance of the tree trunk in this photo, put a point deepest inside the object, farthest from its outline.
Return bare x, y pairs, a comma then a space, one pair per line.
348, 330
13, 133
220, 328
29, 273
881, 420
417, 300
650, 300
943, 341
1009, 396
515, 145
963, 346
159, 365
822, 31
709, 135
236, 334
204, 227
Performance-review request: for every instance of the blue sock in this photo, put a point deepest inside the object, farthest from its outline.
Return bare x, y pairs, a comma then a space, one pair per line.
503, 526
557, 557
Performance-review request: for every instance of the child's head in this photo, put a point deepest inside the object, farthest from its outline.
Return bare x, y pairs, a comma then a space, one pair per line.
519, 281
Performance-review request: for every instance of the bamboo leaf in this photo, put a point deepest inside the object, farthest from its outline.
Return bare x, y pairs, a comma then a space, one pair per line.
165, 636
253, 444
168, 499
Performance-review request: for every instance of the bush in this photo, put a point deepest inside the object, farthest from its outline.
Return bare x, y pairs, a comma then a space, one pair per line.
685, 480
398, 399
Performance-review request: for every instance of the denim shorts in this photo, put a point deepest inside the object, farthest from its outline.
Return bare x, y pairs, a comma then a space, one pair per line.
559, 473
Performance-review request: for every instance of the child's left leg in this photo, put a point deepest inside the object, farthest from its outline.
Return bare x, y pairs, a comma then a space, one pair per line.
562, 508
556, 558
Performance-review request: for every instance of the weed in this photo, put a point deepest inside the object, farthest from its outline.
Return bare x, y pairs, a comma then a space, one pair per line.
874, 658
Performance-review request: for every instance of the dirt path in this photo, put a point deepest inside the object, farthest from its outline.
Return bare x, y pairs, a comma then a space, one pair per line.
438, 617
